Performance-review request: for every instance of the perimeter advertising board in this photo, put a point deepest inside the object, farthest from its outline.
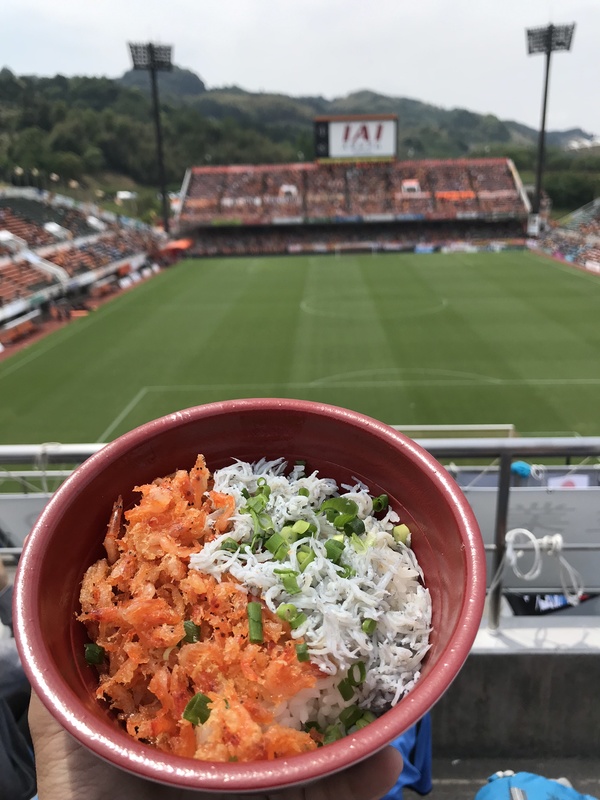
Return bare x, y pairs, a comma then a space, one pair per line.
356, 137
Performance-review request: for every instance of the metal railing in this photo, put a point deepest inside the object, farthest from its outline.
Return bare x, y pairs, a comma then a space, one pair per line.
504, 451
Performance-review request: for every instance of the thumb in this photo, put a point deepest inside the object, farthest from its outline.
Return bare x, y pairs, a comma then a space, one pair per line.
369, 780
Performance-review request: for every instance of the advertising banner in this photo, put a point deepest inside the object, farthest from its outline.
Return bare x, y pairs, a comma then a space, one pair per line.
362, 138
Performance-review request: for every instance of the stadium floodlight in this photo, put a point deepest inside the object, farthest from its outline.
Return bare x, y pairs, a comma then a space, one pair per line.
547, 40
151, 56
155, 58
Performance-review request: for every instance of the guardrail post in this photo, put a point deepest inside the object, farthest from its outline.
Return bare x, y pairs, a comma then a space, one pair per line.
495, 596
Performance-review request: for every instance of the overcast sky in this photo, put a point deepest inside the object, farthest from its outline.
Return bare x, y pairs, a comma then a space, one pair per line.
466, 53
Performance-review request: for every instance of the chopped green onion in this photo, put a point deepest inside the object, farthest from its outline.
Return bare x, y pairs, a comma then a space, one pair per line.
334, 550
343, 505
289, 534
94, 653
265, 522
355, 679
350, 715
342, 520
230, 545
305, 555
192, 632
296, 621
330, 514
254, 610
287, 612
358, 544
380, 503
290, 583
197, 710
401, 533
332, 733
369, 626
277, 545
348, 572
303, 528
365, 720
281, 553
354, 526
263, 488
255, 628
311, 725
257, 503
302, 652
346, 689
303, 492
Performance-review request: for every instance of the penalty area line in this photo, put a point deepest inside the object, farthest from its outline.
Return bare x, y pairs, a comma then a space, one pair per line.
123, 414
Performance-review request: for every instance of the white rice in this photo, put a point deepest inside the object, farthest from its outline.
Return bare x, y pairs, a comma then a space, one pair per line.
386, 586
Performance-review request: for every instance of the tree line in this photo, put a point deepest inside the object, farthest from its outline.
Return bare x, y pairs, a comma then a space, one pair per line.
70, 129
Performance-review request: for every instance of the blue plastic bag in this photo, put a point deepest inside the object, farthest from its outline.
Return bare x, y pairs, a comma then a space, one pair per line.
503, 786
415, 747
521, 468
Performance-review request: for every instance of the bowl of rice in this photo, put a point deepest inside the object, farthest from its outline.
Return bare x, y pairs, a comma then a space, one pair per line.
249, 595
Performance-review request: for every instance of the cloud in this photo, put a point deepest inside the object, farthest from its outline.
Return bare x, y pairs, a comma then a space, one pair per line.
468, 53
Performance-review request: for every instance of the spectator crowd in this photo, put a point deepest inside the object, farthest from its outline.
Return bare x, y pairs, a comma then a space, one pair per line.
374, 237
260, 195
576, 239
51, 253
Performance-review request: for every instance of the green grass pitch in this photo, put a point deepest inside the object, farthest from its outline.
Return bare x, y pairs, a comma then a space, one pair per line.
408, 339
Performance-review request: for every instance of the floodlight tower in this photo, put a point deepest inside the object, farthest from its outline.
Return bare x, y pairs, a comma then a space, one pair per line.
155, 58
546, 40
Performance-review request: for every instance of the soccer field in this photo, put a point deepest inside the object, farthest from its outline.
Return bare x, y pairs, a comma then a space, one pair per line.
409, 339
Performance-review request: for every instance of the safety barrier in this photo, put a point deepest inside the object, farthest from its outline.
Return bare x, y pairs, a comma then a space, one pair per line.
567, 519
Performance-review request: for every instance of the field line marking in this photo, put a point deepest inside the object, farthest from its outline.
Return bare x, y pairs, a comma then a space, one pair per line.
40, 352
427, 373
570, 269
317, 384
309, 307
55, 340
124, 413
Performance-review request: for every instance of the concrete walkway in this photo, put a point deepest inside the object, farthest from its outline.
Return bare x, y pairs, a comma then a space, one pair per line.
461, 779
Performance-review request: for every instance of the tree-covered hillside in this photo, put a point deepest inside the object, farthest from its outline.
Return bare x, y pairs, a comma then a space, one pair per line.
82, 128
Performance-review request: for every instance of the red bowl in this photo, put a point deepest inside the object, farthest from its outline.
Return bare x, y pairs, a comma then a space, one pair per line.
341, 444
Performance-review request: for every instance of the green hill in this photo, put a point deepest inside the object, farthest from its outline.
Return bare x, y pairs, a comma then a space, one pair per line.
82, 128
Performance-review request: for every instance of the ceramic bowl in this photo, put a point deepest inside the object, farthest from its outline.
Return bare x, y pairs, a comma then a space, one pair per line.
339, 443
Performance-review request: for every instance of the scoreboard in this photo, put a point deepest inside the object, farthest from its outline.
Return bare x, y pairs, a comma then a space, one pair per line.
357, 137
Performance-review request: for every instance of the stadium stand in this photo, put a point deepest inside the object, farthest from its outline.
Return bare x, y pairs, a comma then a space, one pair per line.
18, 279
254, 199
54, 254
31, 232
575, 239
51, 248
428, 236
585, 221
99, 253
368, 187
38, 213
